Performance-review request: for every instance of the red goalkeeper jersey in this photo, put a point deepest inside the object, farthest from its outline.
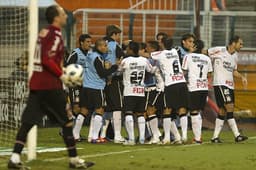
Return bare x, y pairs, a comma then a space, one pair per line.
48, 58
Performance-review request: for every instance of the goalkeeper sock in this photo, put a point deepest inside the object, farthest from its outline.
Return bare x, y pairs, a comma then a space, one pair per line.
69, 141
21, 137
78, 125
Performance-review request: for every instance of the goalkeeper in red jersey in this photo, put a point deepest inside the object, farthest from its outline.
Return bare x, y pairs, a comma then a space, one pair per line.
46, 90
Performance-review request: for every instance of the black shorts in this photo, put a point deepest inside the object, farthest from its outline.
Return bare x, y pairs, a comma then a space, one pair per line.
45, 102
134, 104
92, 98
197, 100
114, 95
223, 95
74, 95
176, 96
154, 98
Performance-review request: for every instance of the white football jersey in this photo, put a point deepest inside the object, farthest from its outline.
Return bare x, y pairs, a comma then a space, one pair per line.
198, 66
170, 66
224, 65
134, 74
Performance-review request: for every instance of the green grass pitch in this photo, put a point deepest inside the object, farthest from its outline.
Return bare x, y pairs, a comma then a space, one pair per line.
226, 156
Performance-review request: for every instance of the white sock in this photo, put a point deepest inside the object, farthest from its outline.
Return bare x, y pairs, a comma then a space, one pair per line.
104, 129
167, 128
74, 159
142, 125
96, 126
129, 124
154, 126
175, 131
117, 121
184, 127
233, 126
218, 126
91, 127
196, 121
78, 126
15, 158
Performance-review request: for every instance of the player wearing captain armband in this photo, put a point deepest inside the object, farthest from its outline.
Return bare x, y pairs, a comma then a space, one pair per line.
225, 69
175, 91
46, 90
134, 68
198, 67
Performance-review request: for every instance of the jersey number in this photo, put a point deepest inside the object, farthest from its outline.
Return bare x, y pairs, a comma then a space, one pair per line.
175, 67
136, 77
200, 66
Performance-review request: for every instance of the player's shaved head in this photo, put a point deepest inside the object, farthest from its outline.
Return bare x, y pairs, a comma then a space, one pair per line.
101, 45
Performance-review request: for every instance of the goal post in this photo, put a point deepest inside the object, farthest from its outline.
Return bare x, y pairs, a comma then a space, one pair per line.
33, 31
18, 34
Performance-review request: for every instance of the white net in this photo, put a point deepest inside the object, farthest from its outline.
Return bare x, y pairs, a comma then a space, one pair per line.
14, 18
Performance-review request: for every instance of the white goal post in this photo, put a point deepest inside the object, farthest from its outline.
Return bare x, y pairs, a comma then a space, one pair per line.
33, 31
18, 34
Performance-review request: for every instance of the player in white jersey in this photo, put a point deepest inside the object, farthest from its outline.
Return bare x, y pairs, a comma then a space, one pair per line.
154, 94
134, 68
176, 92
225, 68
198, 67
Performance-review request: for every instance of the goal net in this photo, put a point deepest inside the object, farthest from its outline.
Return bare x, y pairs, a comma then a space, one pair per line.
14, 38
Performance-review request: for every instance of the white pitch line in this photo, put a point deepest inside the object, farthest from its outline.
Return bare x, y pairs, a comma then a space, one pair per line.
101, 154
125, 151
129, 151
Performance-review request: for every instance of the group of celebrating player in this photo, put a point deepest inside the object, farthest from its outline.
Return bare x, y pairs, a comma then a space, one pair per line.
145, 79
